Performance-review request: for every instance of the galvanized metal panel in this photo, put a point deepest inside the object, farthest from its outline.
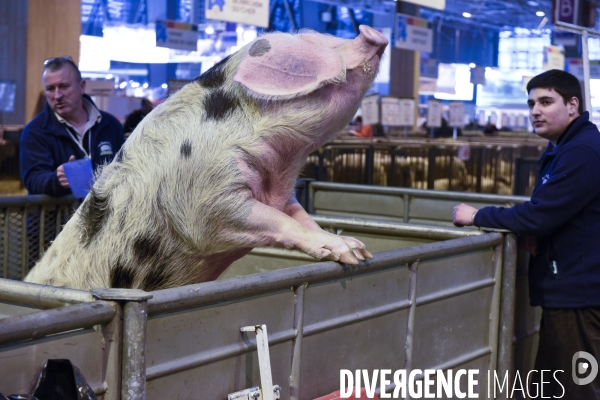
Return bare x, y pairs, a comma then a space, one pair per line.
181, 347
358, 203
449, 329
216, 380
21, 363
436, 209
375, 343
449, 273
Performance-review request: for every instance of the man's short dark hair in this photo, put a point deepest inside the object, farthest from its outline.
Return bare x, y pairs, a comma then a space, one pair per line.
562, 82
56, 63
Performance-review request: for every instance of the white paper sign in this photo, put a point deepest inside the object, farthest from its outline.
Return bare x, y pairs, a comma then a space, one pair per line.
482, 121
370, 110
250, 12
575, 67
176, 35
434, 114
407, 112
554, 58
412, 33
464, 153
390, 111
457, 114
99, 88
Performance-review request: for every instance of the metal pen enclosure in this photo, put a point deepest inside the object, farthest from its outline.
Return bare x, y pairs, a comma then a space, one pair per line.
435, 305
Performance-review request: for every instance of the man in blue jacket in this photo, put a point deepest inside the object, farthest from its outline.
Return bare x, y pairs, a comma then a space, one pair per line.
560, 227
70, 127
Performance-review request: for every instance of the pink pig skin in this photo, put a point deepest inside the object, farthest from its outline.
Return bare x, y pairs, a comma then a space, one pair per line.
209, 173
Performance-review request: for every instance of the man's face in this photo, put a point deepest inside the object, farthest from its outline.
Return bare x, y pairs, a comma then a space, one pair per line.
63, 91
548, 113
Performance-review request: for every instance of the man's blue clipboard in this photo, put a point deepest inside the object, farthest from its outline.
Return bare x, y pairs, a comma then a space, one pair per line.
80, 176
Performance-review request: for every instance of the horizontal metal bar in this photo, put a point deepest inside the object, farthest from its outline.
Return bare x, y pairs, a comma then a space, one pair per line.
465, 358
41, 296
214, 355
48, 322
34, 200
170, 300
422, 193
360, 316
394, 228
455, 291
447, 365
563, 26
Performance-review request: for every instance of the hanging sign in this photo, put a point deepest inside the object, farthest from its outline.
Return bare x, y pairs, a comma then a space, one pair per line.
390, 111
566, 11
176, 35
407, 112
249, 12
429, 68
478, 76
457, 114
554, 58
413, 33
575, 67
434, 114
99, 88
370, 110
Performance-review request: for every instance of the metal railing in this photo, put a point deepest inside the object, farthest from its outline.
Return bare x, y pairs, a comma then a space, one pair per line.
470, 166
28, 224
185, 342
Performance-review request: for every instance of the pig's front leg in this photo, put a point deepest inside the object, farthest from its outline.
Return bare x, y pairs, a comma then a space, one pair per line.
297, 212
267, 226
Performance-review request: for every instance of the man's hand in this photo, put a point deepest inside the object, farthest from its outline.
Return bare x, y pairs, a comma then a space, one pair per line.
62, 177
463, 215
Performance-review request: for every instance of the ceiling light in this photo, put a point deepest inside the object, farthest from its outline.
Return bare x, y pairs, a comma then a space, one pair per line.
540, 13
467, 15
532, 3
472, 65
209, 30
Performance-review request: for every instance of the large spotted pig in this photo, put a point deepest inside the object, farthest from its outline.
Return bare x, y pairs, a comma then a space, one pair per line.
209, 174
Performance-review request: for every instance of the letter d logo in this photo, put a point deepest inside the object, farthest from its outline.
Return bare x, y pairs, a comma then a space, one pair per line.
581, 368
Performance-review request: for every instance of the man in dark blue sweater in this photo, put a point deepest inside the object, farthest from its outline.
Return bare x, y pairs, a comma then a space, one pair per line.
560, 227
70, 127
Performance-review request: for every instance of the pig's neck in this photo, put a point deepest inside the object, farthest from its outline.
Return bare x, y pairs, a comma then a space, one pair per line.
271, 170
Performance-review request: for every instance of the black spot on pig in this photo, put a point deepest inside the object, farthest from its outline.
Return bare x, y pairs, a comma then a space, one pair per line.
156, 278
145, 248
94, 213
121, 276
259, 48
219, 105
214, 77
186, 149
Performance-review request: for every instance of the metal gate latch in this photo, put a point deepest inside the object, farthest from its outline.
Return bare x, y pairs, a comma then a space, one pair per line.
268, 391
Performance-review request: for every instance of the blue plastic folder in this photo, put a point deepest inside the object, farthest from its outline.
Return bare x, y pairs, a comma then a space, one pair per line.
80, 176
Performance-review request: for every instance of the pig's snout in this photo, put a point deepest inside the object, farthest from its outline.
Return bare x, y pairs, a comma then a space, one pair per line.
372, 36
363, 48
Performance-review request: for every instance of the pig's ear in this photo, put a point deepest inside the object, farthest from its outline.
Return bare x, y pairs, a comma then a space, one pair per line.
283, 66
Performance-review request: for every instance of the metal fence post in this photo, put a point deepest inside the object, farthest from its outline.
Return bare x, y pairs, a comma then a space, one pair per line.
507, 309
135, 320
297, 342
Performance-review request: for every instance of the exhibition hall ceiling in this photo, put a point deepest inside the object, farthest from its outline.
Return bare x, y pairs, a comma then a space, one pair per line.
485, 13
